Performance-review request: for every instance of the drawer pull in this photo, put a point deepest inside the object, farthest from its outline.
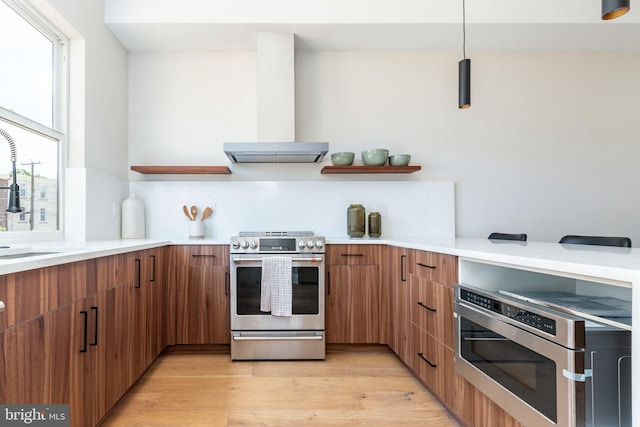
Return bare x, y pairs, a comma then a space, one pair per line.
203, 255
95, 331
421, 356
84, 314
352, 254
403, 259
2, 306
153, 268
426, 266
138, 274
433, 310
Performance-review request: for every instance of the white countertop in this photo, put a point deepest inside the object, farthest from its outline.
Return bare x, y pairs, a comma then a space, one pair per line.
64, 252
614, 264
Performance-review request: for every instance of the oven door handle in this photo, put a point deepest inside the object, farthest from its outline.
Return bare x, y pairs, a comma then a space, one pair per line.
484, 339
316, 259
279, 338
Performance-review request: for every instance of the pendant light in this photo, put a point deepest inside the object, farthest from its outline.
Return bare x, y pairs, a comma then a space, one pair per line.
464, 70
612, 9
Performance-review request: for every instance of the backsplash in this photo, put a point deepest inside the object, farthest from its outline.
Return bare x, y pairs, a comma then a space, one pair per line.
421, 208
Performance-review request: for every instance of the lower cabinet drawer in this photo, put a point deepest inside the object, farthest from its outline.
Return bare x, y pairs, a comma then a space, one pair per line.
433, 362
431, 308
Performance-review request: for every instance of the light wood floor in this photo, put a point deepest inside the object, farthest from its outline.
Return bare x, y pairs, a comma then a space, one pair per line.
354, 386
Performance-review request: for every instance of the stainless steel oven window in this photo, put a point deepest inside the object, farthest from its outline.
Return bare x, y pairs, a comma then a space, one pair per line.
305, 290
525, 373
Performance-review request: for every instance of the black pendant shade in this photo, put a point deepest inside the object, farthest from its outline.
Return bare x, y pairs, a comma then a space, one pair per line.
464, 83
612, 9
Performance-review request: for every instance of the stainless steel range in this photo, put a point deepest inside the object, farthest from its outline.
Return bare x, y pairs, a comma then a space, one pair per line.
277, 296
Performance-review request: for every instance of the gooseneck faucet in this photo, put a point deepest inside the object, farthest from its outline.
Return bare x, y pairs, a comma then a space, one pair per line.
14, 189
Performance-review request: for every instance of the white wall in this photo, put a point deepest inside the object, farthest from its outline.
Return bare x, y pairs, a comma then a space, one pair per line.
548, 147
97, 131
423, 209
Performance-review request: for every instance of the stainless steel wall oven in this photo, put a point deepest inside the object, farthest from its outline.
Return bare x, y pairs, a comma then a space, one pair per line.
545, 367
258, 335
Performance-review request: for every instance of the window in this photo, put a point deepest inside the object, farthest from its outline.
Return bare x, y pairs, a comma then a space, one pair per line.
32, 116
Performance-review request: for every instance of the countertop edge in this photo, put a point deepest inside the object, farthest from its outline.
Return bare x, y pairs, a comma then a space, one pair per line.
616, 264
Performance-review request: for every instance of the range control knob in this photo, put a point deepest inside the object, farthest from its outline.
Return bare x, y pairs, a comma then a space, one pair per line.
319, 244
310, 244
244, 244
235, 244
302, 244
253, 244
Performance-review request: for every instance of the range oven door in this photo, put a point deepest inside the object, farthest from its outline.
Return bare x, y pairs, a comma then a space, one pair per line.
538, 382
307, 282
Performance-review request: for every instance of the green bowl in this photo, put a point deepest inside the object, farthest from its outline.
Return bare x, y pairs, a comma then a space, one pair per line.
399, 159
375, 157
342, 159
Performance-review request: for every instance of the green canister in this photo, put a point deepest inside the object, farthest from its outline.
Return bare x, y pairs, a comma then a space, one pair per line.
355, 221
375, 224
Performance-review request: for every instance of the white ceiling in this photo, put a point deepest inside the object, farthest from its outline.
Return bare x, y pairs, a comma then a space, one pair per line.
492, 25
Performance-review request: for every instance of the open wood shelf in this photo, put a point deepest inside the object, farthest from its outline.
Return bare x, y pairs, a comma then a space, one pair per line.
328, 170
182, 170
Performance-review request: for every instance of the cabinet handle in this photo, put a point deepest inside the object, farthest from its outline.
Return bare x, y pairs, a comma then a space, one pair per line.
83, 349
153, 268
95, 332
227, 283
421, 356
2, 306
427, 307
328, 283
403, 260
426, 266
352, 254
138, 273
203, 255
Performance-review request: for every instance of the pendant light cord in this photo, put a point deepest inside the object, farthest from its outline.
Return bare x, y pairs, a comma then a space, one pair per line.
464, 33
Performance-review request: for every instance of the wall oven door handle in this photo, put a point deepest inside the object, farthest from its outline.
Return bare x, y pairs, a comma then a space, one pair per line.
278, 338
315, 259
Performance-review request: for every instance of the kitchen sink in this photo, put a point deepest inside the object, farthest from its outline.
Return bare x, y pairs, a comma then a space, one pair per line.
25, 255
26, 252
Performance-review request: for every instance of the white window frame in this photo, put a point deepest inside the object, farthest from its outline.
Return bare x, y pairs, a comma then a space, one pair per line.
60, 117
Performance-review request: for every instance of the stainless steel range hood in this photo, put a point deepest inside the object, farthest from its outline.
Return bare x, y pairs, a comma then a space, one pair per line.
276, 152
275, 102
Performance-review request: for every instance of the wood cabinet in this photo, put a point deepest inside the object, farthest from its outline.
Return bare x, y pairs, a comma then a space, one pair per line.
398, 280
353, 295
425, 303
35, 332
431, 322
80, 333
146, 310
201, 301
431, 308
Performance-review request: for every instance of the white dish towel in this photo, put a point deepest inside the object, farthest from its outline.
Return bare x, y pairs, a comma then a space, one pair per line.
275, 291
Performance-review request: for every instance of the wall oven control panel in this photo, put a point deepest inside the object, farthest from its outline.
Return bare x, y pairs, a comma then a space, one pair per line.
518, 314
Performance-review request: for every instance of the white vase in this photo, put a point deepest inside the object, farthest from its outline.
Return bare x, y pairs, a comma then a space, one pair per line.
133, 224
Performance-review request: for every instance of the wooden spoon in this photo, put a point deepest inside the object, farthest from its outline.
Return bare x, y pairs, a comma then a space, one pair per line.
194, 212
186, 212
207, 211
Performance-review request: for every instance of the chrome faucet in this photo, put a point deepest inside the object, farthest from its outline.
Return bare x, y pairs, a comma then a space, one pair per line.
14, 189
